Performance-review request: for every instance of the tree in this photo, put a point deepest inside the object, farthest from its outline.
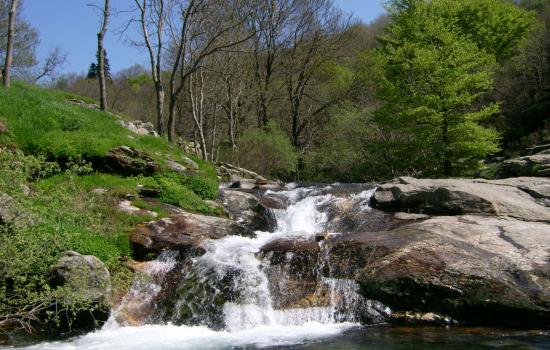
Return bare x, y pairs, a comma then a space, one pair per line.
92, 71
53, 62
9, 48
101, 63
436, 77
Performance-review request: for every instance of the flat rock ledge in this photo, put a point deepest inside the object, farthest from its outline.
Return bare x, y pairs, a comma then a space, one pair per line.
480, 254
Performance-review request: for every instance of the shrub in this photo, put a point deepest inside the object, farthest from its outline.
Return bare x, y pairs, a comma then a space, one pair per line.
267, 151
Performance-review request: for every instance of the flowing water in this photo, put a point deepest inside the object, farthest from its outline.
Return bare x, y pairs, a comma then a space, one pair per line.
231, 296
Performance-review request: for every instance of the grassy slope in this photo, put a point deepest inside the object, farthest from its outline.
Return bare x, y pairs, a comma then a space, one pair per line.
54, 139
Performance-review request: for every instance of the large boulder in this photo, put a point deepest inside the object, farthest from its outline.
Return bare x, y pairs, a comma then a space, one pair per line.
184, 232
532, 165
248, 210
130, 161
461, 196
478, 270
87, 285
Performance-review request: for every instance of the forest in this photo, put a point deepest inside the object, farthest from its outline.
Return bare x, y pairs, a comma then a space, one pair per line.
295, 89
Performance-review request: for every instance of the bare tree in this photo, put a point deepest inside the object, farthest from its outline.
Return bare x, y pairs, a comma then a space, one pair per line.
268, 23
316, 28
9, 50
206, 27
152, 16
101, 57
55, 60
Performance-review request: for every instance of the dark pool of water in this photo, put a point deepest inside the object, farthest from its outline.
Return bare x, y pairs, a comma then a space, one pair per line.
428, 338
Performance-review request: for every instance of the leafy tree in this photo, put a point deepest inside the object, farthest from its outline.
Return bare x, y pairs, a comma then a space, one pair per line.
267, 151
440, 59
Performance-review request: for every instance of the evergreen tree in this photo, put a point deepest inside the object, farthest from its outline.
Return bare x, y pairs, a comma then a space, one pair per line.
92, 71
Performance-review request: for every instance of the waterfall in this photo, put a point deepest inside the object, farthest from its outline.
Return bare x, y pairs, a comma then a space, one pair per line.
237, 294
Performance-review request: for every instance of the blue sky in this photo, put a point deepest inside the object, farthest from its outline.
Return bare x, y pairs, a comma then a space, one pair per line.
72, 25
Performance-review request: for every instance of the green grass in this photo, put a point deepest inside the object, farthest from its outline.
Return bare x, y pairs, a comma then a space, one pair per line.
41, 121
46, 167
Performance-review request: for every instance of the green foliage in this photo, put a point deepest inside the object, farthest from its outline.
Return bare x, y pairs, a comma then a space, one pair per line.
437, 73
341, 154
42, 122
267, 151
186, 192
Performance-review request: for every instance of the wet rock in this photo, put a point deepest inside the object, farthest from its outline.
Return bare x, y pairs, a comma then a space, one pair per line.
420, 319
148, 192
88, 281
532, 165
130, 161
478, 270
293, 267
183, 232
247, 209
459, 196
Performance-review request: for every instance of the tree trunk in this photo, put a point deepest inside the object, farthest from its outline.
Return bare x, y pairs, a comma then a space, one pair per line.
160, 108
9, 50
101, 59
172, 119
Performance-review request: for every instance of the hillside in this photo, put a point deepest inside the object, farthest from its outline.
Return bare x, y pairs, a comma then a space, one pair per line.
64, 182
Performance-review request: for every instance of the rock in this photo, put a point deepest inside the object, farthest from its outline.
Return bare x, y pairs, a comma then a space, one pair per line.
3, 128
247, 210
81, 103
420, 319
176, 167
148, 192
478, 270
88, 281
536, 187
190, 163
184, 232
139, 127
127, 207
409, 216
86, 275
12, 214
130, 161
229, 171
252, 184
533, 165
539, 149
460, 196
99, 191
293, 267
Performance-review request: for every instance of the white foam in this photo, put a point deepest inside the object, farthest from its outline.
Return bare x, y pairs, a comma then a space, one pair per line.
168, 337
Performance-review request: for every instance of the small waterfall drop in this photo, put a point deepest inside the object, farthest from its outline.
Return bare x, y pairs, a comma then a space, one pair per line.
239, 293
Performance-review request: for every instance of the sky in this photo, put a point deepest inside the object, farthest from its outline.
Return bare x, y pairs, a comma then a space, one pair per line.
72, 26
